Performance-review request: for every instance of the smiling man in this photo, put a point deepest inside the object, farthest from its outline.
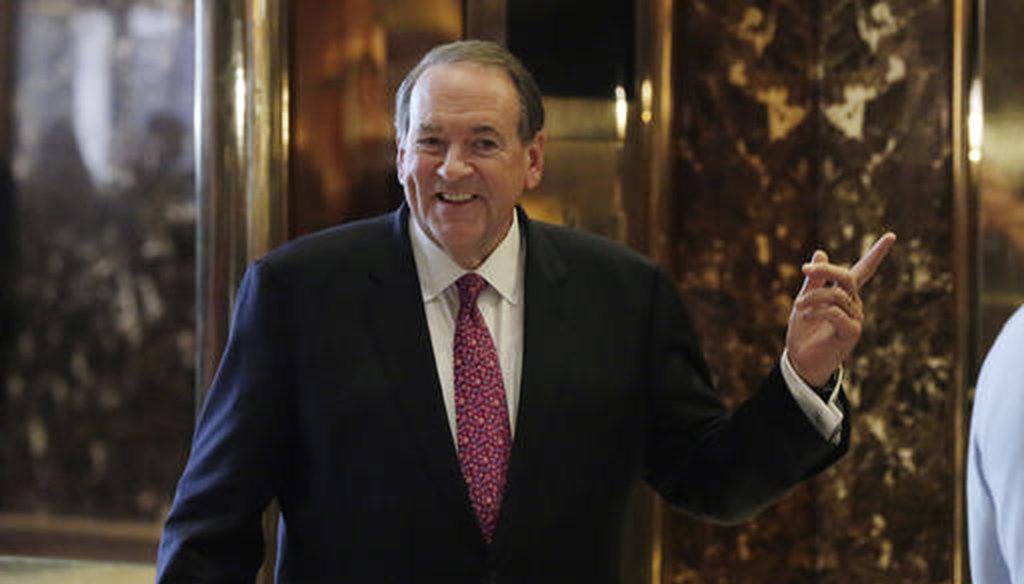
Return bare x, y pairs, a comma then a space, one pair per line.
455, 393
465, 159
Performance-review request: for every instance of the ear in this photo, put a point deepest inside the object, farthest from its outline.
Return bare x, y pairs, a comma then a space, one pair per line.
534, 161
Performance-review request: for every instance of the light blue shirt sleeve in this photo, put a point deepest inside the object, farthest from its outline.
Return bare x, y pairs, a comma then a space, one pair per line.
995, 462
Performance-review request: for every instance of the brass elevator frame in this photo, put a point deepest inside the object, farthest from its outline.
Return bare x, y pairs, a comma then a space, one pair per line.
241, 120
966, 71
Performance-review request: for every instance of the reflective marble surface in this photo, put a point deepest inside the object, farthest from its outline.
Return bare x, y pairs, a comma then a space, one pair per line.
802, 124
96, 402
26, 570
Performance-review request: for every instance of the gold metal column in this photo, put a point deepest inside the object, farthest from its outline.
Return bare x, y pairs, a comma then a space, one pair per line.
656, 121
242, 155
648, 169
242, 139
966, 75
268, 124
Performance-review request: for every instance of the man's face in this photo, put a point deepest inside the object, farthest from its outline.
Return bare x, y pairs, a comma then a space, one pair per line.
462, 163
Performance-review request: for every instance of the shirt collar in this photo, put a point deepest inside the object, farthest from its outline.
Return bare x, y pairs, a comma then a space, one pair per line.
437, 271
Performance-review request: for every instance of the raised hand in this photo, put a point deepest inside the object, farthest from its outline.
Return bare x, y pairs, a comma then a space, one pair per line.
828, 314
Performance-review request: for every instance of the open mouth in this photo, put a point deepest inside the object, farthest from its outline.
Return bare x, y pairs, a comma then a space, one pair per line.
456, 197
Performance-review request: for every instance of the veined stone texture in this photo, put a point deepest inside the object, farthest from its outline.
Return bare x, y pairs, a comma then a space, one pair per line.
799, 125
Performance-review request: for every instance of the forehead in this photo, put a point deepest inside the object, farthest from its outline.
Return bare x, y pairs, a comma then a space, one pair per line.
451, 93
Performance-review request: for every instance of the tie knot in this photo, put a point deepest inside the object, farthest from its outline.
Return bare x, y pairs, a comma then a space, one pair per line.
470, 286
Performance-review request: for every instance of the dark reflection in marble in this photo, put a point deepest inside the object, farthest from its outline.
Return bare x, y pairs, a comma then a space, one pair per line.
97, 400
801, 124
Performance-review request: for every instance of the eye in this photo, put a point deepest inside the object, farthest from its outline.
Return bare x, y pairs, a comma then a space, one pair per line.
429, 144
486, 145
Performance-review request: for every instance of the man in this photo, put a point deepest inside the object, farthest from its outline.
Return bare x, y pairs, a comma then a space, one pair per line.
455, 393
995, 475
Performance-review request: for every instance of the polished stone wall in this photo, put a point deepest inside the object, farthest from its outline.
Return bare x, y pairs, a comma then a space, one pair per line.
894, 496
96, 396
801, 124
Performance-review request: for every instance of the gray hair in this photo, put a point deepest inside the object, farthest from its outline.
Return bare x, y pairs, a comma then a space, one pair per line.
531, 117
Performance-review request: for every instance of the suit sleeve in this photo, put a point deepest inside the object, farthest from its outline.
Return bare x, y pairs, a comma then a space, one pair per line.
213, 531
722, 465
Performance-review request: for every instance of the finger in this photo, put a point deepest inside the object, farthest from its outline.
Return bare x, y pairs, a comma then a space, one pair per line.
819, 257
865, 268
849, 307
844, 327
835, 296
831, 273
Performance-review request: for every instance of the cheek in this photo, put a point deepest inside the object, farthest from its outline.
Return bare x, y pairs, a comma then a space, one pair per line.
409, 174
402, 172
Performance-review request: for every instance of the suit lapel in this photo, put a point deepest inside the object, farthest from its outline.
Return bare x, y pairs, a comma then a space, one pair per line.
544, 335
398, 326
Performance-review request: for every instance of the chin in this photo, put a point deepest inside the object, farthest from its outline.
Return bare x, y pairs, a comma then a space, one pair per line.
458, 247
458, 236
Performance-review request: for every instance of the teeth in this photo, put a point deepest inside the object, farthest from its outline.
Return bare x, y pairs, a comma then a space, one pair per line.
456, 197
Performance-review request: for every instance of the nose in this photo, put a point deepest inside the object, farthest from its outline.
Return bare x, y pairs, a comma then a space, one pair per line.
454, 166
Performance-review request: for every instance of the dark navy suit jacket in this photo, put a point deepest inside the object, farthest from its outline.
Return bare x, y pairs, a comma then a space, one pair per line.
327, 398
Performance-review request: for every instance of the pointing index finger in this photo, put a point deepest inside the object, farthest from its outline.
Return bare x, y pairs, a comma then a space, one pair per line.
865, 268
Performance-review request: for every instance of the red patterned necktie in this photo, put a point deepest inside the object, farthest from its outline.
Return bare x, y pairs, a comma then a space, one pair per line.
481, 416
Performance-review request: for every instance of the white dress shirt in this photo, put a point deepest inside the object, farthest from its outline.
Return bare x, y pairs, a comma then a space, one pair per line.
995, 462
501, 305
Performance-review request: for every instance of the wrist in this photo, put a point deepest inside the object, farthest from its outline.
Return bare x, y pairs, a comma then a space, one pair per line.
825, 389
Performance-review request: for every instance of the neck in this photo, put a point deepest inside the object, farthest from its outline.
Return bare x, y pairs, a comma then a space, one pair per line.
471, 259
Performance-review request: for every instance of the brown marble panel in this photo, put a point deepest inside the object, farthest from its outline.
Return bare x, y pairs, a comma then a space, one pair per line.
886, 513
801, 124
745, 208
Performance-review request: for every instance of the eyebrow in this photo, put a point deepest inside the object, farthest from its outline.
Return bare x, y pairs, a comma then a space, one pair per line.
429, 128
485, 130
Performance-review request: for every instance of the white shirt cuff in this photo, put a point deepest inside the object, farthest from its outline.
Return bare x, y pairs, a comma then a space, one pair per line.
826, 415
